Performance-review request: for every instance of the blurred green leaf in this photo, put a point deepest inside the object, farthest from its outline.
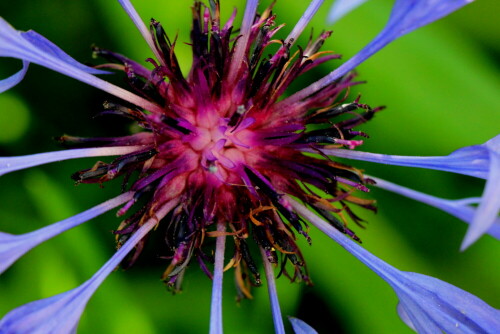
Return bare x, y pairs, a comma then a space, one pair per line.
14, 118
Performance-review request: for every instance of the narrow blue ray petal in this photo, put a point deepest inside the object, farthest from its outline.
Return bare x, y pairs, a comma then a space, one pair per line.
462, 209
216, 324
45, 50
241, 45
482, 161
139, 23
303, 21
300, 327
61, 313
279, 327
406, 16
11, 164
12, 247
489, 207
14, 79
34, 48
342, 7
471, 160
429, 303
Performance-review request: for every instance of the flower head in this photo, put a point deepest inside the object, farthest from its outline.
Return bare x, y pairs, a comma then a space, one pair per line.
224, 149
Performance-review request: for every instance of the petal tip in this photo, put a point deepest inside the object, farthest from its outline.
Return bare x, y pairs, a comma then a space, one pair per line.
300, 327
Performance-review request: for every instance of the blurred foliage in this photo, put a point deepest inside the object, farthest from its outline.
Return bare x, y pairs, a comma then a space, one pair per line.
440, 85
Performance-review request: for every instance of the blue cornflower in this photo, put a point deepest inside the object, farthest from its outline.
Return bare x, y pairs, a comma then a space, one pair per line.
221, 156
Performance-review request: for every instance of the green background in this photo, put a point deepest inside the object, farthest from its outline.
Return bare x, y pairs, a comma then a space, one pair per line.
441, 88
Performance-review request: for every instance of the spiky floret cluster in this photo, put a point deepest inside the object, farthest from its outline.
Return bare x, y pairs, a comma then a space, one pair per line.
225, 150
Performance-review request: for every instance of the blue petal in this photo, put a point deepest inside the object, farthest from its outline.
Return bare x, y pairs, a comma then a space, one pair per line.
489, 207
58, 314
33, 47
241, 45
46, 50
146, 34
304, 21
341, 7
279, 327
401, 308
481, 161
462, 209
451, 309
13, 80
300, 327
420, 322
11, 164
216, 325
61, 313
471, 160
428, 303
406, 16
12, 247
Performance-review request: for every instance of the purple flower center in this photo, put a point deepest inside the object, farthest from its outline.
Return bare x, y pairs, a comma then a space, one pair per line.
226, 148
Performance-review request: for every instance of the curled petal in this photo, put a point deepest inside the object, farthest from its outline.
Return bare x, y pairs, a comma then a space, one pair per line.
487, 212
472, 160
406, 16
431, 305
12, 247
341, 7
13, 80
448, 308
462, 209
11, 164
406, 318
34, 48
300, 327
61, 313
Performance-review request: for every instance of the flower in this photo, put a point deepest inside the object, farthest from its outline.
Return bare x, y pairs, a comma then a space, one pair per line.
219, 157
